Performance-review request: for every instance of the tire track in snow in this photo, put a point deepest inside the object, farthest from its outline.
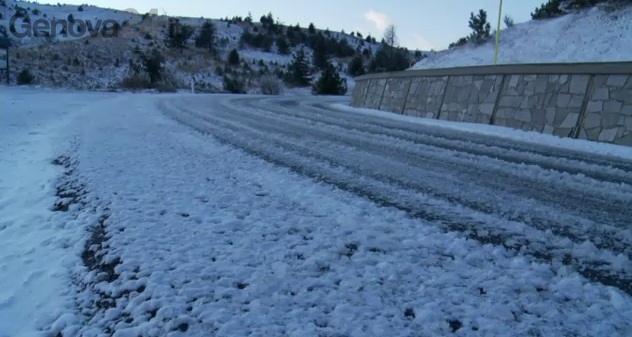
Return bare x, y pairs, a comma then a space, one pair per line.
602, 205
385, 192
547, 157
488, 145
434, 183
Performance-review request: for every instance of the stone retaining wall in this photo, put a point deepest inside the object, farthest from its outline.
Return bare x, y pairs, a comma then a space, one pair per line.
580, 100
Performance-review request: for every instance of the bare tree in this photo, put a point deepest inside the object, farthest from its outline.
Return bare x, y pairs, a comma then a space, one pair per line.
390, 38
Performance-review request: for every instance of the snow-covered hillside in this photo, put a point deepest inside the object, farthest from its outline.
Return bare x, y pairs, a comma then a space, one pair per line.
592, 35
54, 12
98, 63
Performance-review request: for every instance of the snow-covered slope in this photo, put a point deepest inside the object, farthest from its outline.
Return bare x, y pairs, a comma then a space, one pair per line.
97, 63
593, 35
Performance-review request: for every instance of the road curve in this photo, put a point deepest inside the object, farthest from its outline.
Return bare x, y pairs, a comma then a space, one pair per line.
563, 207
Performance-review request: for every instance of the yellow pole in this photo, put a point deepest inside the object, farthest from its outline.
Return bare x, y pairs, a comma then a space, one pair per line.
500, 10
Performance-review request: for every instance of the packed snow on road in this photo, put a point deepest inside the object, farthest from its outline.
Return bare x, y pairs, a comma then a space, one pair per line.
197, 215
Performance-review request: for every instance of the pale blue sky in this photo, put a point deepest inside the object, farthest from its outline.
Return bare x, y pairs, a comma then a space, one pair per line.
421, 24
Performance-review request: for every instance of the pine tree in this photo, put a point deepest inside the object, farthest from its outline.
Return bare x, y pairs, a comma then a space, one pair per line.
383, 61
153, 65
319, 59
179, 34
299, 73
330, 82
311, 29
481, 28
233, 57
206, 38
356, 66
283, 47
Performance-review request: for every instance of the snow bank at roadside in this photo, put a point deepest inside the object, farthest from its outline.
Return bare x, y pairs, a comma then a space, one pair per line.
504, 132
39, 248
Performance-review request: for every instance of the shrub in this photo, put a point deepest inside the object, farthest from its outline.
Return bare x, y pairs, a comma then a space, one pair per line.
550, 9
509, 21
588, 3
165, 87
135, 82
270, 85
25, 77
234, 85
460, 42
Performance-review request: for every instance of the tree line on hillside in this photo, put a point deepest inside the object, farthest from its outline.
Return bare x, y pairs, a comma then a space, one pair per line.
271, 36
328, 53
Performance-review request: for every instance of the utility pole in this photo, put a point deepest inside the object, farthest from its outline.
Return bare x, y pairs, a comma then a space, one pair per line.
500, 11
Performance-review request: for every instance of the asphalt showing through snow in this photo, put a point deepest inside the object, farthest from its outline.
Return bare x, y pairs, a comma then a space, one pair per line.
564, 207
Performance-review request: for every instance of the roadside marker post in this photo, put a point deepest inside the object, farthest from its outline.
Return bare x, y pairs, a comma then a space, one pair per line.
5, 44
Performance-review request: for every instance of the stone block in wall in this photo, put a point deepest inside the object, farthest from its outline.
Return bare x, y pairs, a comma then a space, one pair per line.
543, 103
359, 93
424, 96
470, 98
394, 98
374, 93
608, 116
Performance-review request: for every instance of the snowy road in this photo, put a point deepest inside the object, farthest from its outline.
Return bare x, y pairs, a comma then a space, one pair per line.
552, 205
257, 216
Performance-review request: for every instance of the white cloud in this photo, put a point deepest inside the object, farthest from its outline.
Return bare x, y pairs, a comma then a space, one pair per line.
422, 44
380, 20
